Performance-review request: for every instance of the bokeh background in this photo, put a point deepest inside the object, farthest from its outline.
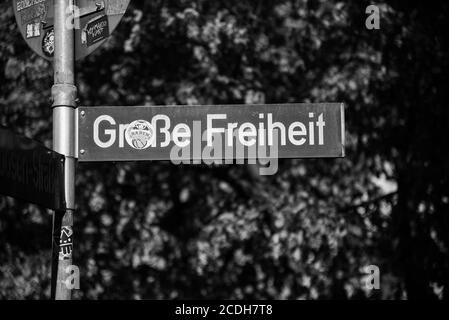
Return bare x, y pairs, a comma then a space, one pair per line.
153, 230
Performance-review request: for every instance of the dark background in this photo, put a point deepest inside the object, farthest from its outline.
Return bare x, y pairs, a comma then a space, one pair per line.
160, 231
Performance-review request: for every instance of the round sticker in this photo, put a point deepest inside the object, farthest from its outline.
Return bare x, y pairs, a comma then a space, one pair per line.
140, 134
48, 43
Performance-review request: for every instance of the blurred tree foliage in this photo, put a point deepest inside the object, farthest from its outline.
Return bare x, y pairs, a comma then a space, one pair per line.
155, 230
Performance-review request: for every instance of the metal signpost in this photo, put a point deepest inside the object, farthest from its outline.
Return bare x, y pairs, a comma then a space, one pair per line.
66, 30
64, 95
62, 31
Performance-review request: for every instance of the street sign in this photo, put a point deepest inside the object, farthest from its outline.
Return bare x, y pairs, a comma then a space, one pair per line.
31, 172
211, 132
94, 21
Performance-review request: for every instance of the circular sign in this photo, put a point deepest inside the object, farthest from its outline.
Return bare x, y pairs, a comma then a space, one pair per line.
140, 134
93, 22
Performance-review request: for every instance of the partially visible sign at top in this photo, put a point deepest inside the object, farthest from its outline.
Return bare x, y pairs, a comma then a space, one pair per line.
93, 22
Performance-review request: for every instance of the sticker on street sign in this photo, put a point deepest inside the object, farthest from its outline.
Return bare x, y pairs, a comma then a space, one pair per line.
211, 132
31, 172
96, 30
94, 21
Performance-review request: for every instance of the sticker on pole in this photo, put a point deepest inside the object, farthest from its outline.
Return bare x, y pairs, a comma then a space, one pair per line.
93, 22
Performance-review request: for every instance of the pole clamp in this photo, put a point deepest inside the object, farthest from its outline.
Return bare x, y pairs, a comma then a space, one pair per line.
64, 95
